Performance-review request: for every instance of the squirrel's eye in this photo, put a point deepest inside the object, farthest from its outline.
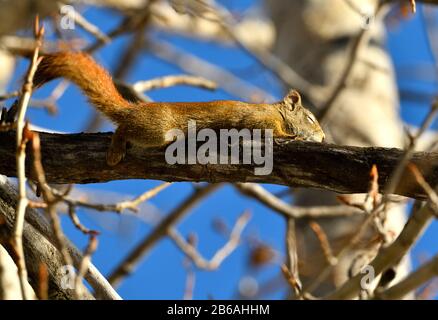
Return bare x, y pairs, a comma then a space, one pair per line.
310, 119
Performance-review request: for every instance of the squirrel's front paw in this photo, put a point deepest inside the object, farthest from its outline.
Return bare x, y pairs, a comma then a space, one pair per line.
113, 157
283, 141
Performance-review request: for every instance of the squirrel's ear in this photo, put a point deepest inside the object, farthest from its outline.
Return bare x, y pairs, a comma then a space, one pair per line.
293, 97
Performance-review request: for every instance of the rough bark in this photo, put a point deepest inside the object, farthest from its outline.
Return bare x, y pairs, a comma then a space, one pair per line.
80, 158
38, 244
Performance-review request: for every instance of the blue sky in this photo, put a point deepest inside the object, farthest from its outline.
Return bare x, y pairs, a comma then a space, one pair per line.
161, 275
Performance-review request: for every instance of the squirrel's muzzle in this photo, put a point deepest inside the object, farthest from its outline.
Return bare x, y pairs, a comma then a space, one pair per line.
317, 137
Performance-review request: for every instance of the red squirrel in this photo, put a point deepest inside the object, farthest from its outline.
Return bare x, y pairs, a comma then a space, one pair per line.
146, 123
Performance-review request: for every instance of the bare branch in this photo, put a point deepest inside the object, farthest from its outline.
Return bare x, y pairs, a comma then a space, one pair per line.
9, 95
38, 244
86, 25
84, 265
117, 207
433, 197
50, 200
170, 81
271, 201
291, 267
194, 65
77, 223
390, 255
221, 254
415, 280
21, 141
160, 231
303, 164
358, 42
324, 242
279, 68
398, 172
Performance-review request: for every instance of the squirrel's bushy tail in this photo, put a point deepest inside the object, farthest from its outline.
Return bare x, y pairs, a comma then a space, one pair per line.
88, 75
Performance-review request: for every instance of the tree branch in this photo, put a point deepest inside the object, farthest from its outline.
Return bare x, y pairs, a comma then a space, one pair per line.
160, 231
387, 257
38, 241
297, 164
413, 281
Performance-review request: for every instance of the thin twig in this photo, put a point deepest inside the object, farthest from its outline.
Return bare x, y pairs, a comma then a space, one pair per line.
160, 231
195, 65
50, 200
116, 207
39, 230
324, 242
278, 67
413, 6
21, 140
174, 80
133, 204
398, 171
84, 266
429, 290
360, 233
127, 25
390, 255
373, 192
190, 282
77, 223
433, 197
50, 103
292, 258
291, 280
358, 42
10, 95
86, 25
257, 192
97, 281
415, 280
221, 254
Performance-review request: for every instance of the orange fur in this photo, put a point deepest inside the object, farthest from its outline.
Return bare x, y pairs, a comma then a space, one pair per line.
147, 123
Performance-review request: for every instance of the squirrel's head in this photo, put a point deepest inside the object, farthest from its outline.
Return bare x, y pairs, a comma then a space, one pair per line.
300, 121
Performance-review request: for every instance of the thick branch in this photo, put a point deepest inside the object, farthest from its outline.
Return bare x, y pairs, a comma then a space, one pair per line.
413, 281
38, 241
80, 158
387, 257
37, 248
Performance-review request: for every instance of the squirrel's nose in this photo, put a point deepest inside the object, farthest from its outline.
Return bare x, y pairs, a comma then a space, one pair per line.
318, 137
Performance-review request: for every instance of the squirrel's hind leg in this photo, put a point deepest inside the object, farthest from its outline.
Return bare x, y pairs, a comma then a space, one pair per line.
117, 150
